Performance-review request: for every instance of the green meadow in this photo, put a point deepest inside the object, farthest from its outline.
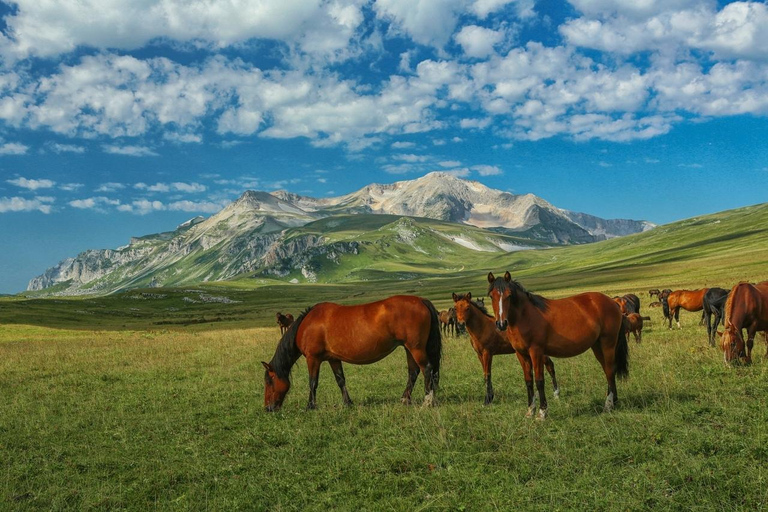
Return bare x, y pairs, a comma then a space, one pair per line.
153, 399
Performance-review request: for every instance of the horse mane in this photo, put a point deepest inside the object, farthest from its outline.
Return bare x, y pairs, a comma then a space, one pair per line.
538, 301
287, 352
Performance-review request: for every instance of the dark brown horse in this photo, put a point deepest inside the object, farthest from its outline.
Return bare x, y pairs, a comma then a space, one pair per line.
629, 303
654, 291
487, 340
689, 300
746, 308
633, 323
714, 305
538, 327
284, 321
361, 334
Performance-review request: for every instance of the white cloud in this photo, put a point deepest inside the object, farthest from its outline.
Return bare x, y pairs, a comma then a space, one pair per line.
93, 203
142, 207
31, 184
478, 41
403, 145
67, 148
110, 187
71, 187
197, 206
175, 187
449, 163
20, 204
487, 170
13, 148
129, 150
50, 28
409, 157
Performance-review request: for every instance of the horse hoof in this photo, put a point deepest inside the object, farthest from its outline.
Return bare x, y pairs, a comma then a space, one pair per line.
529, 414
557, 394
429, 400
405, 401
542, 415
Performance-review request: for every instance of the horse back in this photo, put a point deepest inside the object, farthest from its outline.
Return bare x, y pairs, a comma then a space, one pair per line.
748, 304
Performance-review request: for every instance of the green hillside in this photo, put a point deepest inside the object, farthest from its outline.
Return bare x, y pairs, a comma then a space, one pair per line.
719, 249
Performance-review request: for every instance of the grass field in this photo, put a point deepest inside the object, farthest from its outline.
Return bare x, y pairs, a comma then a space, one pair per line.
155, 402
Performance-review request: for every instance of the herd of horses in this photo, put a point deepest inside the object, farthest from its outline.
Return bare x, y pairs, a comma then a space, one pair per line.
530, 326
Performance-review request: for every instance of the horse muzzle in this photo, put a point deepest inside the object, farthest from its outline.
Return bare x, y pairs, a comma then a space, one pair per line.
502, 326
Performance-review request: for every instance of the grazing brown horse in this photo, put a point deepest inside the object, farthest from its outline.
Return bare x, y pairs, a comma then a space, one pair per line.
284, 321
360, 334
633, 323
629, 303
538, 327
487, 340
654, 291
689, 300
745, 308
655, 304
447, 322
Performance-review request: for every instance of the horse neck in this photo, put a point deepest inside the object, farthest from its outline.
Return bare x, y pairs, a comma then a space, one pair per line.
477, 323
286, 355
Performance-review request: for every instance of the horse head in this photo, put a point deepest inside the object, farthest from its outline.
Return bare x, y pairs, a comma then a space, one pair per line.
732, 343
461, 304
500, 291
275, 388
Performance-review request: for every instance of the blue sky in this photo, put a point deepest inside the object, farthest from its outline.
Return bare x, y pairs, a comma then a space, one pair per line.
126, 117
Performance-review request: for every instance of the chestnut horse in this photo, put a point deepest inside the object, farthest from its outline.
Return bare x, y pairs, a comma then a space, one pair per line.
714, 304
746, 308
360, 334
633, 323
447, 324
487, 341
284, 321
689, 300
538, 327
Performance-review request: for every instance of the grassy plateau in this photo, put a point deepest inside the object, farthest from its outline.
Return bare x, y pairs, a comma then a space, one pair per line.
153, 399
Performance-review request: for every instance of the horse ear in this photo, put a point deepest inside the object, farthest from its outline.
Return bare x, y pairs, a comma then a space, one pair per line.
491, 277
268, 367
469, 295
455, 297
507, 276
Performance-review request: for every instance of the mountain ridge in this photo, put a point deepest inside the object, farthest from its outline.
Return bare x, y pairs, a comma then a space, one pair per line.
271, 234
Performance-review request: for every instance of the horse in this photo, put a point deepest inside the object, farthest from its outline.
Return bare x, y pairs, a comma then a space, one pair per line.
360, 334
633, 323
654, 291
714, 304
745, 308
655, 304
538, 327
447, 322
629, 303
284, 321
487, 341
690, 300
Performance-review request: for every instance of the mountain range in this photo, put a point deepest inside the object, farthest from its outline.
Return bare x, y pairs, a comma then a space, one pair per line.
438, 221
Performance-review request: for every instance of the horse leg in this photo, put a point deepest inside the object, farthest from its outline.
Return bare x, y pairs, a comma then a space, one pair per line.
413, 374
677, 318
487, 360
338, 372
421, 359
537, 359
527, 366
713, 332
550, 366
765, 339
606, 359
701, 322
313, 365
751, 332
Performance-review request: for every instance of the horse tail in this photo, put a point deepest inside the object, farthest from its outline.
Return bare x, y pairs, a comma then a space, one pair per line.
434, 342
622, 354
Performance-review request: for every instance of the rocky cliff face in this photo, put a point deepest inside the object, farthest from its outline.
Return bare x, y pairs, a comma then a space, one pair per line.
253, 233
